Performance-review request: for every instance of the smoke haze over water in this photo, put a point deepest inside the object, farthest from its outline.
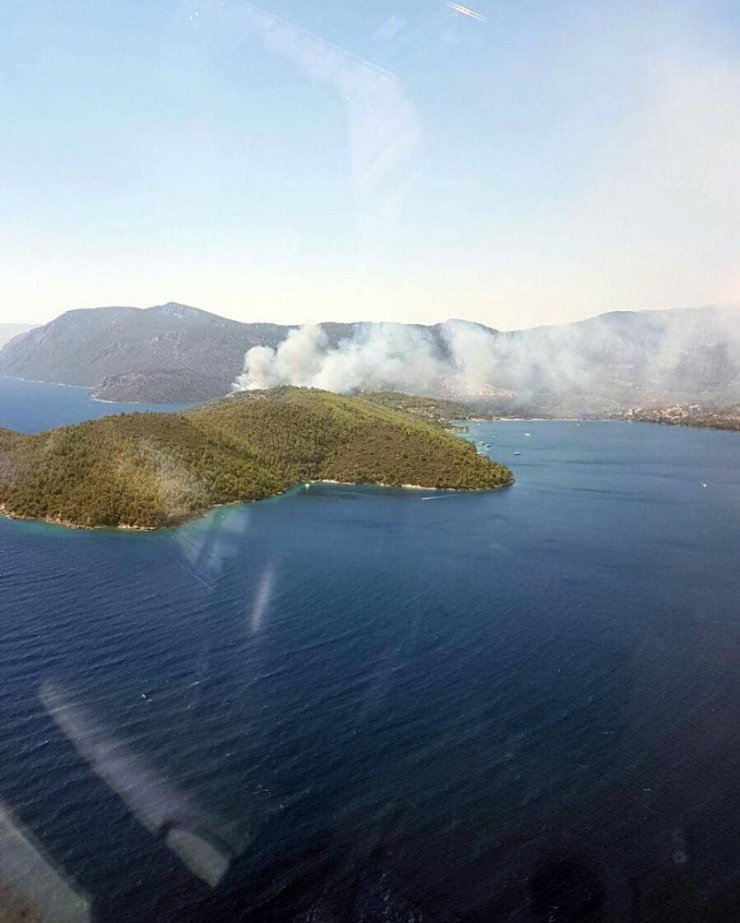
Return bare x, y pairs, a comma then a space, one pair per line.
615, 358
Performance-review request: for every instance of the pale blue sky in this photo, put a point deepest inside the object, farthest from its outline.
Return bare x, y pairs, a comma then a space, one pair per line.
394, 159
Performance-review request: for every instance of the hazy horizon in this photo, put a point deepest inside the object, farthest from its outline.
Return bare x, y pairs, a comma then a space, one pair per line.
725, 306
515, 165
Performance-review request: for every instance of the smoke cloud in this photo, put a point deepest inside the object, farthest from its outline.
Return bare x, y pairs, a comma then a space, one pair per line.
611, 360
376, 357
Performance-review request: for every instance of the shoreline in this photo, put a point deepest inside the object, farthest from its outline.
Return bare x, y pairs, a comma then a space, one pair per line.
50, 521
103, 400
40, 381
202, 514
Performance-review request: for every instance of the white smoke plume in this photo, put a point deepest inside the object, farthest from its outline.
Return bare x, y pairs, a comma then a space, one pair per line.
613, 358
377, 357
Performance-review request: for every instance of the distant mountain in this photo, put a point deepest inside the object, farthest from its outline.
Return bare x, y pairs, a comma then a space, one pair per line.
620, 359
594, 367
86, 347
8, 331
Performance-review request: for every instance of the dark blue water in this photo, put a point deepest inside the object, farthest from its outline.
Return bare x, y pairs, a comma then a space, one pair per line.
34, 406
395, 705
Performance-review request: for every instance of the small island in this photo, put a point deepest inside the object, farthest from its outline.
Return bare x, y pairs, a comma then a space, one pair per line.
150, 470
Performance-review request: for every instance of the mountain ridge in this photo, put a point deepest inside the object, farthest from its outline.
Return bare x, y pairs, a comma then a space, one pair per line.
599, 365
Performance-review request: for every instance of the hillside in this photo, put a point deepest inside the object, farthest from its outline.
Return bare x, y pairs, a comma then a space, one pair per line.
617, 360
436, 411
178, 386
152, 470
95, 347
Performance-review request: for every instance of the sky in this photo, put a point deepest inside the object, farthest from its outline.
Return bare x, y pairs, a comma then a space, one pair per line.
514, 162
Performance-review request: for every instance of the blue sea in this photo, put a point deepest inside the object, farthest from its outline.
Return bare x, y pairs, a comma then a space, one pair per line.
34, 406
367, 704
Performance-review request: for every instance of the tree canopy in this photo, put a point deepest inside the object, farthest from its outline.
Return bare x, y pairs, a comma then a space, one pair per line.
149, 470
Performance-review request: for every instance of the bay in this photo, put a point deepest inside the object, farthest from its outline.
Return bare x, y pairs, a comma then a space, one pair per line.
35, 406
418, 705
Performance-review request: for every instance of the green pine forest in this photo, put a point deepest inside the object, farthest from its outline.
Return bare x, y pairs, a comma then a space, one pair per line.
149, 470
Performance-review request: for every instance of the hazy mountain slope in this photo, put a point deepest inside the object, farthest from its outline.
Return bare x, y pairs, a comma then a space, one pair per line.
622, 358
161, 386
8, 331
149, 470
84, 347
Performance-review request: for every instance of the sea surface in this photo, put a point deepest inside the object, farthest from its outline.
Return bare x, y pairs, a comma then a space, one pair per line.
35, 406
368, 704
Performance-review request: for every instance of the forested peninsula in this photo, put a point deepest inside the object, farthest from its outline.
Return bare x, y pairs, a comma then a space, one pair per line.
150, 470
